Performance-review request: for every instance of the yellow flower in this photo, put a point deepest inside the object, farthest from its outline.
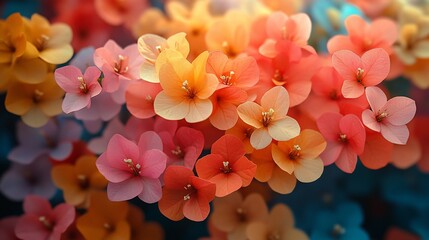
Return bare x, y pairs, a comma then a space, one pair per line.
35, 103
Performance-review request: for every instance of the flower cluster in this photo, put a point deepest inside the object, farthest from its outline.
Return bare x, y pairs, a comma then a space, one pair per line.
202, 103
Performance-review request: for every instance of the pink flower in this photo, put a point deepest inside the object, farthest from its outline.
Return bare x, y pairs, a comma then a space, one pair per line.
133, 170
117, 64
360, 72
41, 222
7, 228
345, 136
389, 117
79, 88
103, 107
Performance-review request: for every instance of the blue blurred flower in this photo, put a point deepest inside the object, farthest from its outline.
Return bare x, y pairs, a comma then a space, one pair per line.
421, 226
328, 18
342, 223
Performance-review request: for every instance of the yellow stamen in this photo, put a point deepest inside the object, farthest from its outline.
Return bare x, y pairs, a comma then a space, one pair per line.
267, 116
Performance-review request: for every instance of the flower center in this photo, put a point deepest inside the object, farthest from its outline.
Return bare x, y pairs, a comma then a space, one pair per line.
83, 181
274, 236
338, 230
108, 227
177, 151
190, 92
342, 138
267, 116
381, 116
149, 98
82, 86
159, 49
333, 95
122, 65
46, 222
227, 78
278, 78
359, 75
135, 168
226, 168
227, 49
41, 41
241, 213
190, 190
295, 152
37, 95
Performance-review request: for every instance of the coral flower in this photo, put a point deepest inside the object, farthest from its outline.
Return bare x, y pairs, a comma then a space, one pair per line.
104, 219
7, 227
280, 26
226, 166
279, 225
78, 181
360, 72
225, 102
186, 90
35, 103
117, 64
269, 118
232, 213
300, 155
133, 170
79, 88
140, 96
381, 33
40, 221
243, 131
151, 46
52, 41
389, 117
185, 195
346, 139
117, 12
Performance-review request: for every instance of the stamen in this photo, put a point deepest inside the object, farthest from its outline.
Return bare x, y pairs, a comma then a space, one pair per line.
338, 230
266, 117
83, 181
186, 197
342, 138
45, 222
226, 169
178, 152
187, 187
359, 75
295, 152
37, 96
188, 89
159, 49
121, 66
83, 87
274, 236
227, 78
240, 211
148, 98
278, 78
381, 116
134, 168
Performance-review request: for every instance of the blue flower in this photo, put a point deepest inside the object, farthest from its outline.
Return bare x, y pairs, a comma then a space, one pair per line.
342, 223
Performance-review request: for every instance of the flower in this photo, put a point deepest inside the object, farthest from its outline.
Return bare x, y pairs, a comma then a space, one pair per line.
104, 219
389, 117
343, 222
279, 225
269, 118
232, 214
185, 195
133, 170
41, 221
117, 64
117, 12
140, 229
21, 180
360, 72
7, 228
186, 89
226, 166
79, 88
99, 145
35, 103
151, 46
140, 97
54, 139
345, 136
103, 107
243, 131
300, 155
52, 41
78, 181
381, 33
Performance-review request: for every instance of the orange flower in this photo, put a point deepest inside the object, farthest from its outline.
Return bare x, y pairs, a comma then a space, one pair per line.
230, 34
232, 214
35, 103
243, 131
141, 230
279, 225
300, 155
18, 57
186, 89
79, 181
104, 219
52, 41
